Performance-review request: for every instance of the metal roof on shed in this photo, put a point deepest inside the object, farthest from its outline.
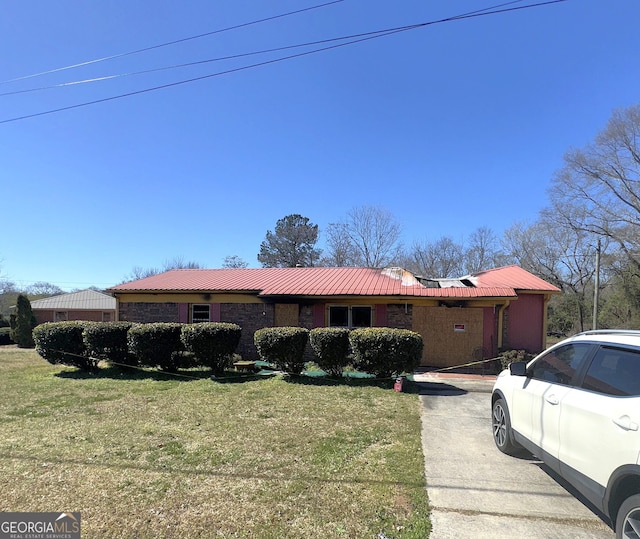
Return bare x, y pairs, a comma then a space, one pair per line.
305, 282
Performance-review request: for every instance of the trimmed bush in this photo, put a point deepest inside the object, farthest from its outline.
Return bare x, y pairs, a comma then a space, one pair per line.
62, 342
386, 351
22, 323
331, 345
155, 345
5, 335
212, 343
108, 341
283, 347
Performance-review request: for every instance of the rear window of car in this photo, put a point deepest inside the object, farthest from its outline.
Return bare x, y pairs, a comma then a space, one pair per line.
614, 371
560, 365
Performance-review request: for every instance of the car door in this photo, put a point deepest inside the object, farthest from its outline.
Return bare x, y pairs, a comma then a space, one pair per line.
535, 413
600, 421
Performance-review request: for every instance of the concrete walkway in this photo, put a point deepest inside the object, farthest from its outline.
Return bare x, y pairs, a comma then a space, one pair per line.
477, 492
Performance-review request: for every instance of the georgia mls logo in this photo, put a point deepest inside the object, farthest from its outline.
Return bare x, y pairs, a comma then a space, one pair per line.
39, 525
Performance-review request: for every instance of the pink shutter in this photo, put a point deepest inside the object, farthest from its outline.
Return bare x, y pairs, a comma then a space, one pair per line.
183, 313
318, 315
381, 316
214, 312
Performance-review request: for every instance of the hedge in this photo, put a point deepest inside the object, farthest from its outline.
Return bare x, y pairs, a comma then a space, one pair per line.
108, 341
156, 345
386, 351
331, 346
62, 342
211, 343
5, 335
283, 347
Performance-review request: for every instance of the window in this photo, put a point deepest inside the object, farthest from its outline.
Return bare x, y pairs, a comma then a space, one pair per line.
343, 316
200, 313
614, 372
560, 365
106, 317
60, 316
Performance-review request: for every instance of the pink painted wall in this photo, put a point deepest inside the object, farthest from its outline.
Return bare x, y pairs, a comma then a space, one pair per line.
526, 323
489, 332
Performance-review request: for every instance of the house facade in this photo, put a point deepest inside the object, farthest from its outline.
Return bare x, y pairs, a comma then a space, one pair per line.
459, 319
83, 305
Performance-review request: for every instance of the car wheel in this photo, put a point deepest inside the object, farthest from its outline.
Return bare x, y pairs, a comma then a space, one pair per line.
502, 434
628, 520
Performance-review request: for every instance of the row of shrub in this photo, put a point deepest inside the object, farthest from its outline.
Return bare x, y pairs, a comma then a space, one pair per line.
167, 346
378, 351
170, 346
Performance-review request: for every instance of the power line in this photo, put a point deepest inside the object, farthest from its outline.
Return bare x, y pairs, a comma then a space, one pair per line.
236, 56
168, 43
382, 33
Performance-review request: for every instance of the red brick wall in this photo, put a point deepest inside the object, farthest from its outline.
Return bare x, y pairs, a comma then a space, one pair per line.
146, 313
250, 317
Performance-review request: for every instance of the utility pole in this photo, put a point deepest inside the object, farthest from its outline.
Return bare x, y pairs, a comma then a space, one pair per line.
596, 290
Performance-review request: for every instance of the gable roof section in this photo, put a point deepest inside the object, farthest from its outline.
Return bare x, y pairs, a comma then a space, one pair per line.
514, 277
324, 282
85, 300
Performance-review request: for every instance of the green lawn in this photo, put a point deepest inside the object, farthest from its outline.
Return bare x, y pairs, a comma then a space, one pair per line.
147, 455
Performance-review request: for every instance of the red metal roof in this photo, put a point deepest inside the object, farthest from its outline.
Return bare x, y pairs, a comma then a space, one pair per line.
309, 282
514, 277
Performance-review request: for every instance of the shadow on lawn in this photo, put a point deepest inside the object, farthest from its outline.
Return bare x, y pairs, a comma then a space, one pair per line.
113, 372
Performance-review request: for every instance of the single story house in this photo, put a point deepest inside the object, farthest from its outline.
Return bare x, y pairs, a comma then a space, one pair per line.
83, 305
459, 319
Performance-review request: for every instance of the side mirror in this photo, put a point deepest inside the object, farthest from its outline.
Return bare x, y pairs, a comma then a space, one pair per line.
518, 369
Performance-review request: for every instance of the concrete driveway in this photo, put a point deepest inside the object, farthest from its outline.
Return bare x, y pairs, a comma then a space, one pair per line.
476, 491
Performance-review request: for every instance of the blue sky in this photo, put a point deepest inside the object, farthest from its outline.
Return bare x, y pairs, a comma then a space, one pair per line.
450, 127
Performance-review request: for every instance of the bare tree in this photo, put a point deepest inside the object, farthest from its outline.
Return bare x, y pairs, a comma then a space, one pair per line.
177, 262
42, 288
482, 251
598, 189
339, 250
374, 234
438, 259
234, 261
562, 256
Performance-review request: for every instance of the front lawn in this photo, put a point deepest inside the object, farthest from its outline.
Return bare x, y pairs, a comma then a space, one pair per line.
149, 455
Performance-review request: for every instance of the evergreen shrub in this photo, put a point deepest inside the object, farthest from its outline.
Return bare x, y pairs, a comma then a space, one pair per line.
108, 341
331, 345
5, 335
62, 342
155, 345
283, 347
211, 343
386, 351
22, 323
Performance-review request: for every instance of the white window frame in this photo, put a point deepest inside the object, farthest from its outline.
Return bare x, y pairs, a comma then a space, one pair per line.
350, 315
60, 316
200, 318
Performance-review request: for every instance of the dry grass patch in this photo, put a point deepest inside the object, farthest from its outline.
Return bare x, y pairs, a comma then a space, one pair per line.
149, 456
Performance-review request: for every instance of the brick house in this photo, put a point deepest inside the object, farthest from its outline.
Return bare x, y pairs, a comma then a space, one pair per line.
459, 319
83, 305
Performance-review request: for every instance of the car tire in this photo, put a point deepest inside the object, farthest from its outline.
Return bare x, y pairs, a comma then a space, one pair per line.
628, 519
502, 434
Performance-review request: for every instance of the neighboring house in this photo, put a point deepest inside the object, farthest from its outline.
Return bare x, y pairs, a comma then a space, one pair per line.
83, 305
459, 319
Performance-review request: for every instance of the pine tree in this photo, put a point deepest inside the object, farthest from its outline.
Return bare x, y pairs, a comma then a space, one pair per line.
22, 323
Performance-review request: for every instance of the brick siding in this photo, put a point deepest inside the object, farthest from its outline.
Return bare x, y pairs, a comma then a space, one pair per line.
146, 313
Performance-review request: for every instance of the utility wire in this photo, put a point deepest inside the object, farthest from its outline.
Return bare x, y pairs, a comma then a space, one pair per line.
236, 56
152, 47
231, 57
276, 60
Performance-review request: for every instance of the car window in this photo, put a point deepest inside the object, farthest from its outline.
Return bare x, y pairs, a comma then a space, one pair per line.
560, 365
614, 371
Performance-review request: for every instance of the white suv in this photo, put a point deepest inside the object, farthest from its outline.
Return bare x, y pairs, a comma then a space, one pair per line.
576, 406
